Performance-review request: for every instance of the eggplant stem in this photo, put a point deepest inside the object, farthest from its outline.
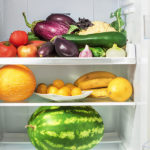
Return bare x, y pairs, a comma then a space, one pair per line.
26, 21
53, 39
30, 126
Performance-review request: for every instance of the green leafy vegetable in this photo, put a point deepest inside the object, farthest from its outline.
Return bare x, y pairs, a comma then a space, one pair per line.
119, 23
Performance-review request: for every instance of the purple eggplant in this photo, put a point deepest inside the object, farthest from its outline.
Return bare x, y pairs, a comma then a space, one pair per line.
47, 29
60, 17
65, 48
46, 50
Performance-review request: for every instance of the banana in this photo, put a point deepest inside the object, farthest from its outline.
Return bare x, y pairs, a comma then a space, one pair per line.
99, 93
94, 83
94, 75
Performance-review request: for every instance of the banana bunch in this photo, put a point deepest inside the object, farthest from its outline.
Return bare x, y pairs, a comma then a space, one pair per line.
97, 82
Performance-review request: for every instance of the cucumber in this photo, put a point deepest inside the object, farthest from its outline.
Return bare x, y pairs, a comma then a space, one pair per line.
105, 39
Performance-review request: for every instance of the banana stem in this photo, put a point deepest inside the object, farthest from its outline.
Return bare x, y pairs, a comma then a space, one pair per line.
26, 21
30, 126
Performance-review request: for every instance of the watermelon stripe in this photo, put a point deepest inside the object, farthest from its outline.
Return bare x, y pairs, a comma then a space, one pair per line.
53, 145
40, 144
54, 113
88, 146
62, 135
81, 111
71, 148
90, 132
82, 119
51, 123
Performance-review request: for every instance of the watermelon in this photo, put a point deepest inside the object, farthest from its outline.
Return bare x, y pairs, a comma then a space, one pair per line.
65, 128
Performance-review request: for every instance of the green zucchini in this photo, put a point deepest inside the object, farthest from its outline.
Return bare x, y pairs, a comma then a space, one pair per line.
105, 39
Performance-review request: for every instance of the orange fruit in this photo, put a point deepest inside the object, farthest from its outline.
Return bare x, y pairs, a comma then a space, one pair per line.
58, 83
70, 85
76, 91
120, 89
17, 83
41, 88
52, 90
50, 85
64, 91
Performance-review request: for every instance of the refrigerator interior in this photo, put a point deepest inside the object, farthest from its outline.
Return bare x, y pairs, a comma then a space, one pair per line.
125, 123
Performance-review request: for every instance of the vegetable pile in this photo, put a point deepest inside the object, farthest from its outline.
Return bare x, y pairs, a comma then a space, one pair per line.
61, 36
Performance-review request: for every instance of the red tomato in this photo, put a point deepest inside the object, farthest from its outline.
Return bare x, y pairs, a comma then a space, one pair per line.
7, 50
27, 51
18, 38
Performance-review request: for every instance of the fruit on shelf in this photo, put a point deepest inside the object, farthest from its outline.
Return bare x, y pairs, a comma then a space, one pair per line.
52, 90
58, 83
65, 128
70, 85
99, 93
18, 38
120, 89
76, 91
41, 88
7, 49
92, 80
64, 91
17, 83
94, 83
94, 75
27, 51
59, 88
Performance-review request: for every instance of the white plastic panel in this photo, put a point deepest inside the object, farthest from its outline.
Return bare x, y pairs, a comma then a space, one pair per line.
82, 8
12, 16
103, 9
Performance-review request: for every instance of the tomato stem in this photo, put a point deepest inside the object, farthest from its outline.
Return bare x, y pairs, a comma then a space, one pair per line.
7, 43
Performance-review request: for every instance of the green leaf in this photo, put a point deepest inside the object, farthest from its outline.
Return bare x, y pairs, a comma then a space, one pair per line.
111, 15
72, 28
119, 23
